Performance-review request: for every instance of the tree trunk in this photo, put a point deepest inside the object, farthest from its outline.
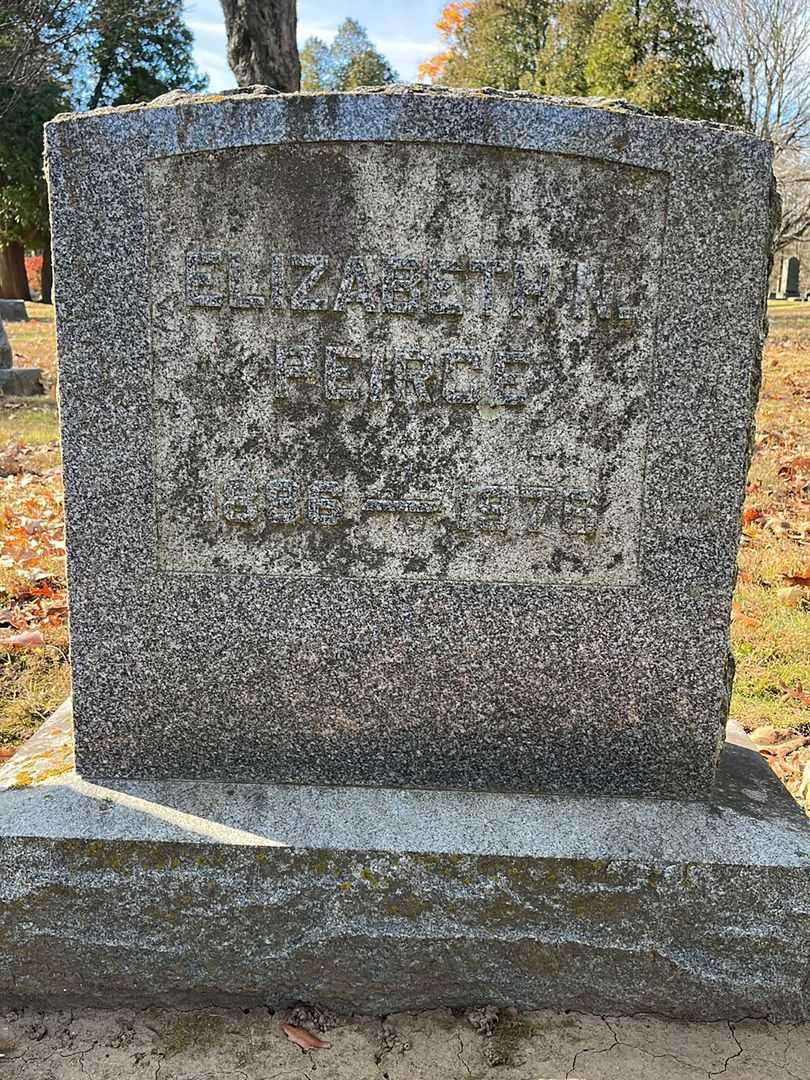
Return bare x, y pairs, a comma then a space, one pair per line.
262, 48
13, 279
47, 273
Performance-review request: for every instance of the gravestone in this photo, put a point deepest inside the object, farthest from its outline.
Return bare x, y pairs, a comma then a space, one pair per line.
397, 448
789, 279
404, 436
13, 311
6, 354
17, 382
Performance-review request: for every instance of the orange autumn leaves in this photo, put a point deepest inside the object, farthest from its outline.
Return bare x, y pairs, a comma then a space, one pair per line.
448, 25
32, 549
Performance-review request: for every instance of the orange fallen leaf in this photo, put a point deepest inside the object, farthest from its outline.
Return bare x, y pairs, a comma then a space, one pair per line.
792, 595
797, 693
7, 752
802, 578
750, 514
26, 640
800, 464
739, 616
305, 1039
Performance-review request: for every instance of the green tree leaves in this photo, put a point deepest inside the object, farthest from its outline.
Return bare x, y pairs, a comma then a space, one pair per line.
82, 55
654, 53
133, 53
350, 61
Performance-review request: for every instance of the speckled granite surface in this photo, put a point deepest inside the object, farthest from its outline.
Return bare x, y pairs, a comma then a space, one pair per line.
383, 899
405, 435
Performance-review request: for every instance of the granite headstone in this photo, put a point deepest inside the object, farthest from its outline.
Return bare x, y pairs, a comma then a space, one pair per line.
15, 381
405, 436
789, 278
13, 311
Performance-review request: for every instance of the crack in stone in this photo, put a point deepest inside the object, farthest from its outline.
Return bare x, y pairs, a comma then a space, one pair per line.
460, 1052
731, 1057
592, 1049
648, 1053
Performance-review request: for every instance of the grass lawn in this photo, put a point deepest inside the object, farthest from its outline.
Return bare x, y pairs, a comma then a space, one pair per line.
34, 679
770, 617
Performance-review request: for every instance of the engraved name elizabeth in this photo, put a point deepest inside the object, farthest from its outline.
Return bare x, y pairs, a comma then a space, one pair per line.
463, 374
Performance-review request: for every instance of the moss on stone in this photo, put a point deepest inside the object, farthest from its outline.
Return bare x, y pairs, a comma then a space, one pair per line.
508, 1036
191, 1030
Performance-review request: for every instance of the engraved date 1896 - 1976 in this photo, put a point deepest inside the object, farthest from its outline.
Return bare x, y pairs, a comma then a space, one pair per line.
515, 509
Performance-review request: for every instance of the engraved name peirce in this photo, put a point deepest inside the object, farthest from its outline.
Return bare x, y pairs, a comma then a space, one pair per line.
403, 285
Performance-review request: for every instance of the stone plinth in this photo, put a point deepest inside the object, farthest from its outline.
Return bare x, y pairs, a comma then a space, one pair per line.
21, 382
379, 900
405, 436
13, 311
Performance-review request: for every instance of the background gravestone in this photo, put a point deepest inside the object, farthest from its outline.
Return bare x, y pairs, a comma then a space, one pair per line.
789, 281
6, 354
405, 437
20, 382
13, 311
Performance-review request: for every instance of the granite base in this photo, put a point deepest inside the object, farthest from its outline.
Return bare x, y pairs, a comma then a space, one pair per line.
21, 382
382, 900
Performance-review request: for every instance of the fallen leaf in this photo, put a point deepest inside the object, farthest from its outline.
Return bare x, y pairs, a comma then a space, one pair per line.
781, 750
303, 1038
797, 693
739, 616
800, 463
12, 617
791, 595
7, 752
750, 514
765, 735
802, 578
27, 639
777, 525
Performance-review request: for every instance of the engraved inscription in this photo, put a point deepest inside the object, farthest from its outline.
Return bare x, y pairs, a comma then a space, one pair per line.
525, 508
402, 361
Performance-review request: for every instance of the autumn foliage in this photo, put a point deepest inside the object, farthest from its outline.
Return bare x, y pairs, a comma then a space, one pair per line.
448, 25
34, 675
33, 271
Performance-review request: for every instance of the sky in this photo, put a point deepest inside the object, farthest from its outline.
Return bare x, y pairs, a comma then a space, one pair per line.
402, 30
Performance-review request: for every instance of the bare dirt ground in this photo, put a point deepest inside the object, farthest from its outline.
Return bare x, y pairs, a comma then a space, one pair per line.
249, 1044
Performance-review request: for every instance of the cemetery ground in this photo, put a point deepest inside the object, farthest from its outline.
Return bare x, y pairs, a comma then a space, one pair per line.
770, 615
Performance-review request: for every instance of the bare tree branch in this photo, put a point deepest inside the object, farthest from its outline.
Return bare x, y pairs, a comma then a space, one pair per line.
768, 41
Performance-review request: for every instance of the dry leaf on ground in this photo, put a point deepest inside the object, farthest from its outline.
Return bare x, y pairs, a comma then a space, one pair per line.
305, 1039
26, 640
802, 578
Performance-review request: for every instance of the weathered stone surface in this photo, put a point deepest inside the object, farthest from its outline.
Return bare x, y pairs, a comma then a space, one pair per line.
13, 311
21, 382
382, 899
432, 475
